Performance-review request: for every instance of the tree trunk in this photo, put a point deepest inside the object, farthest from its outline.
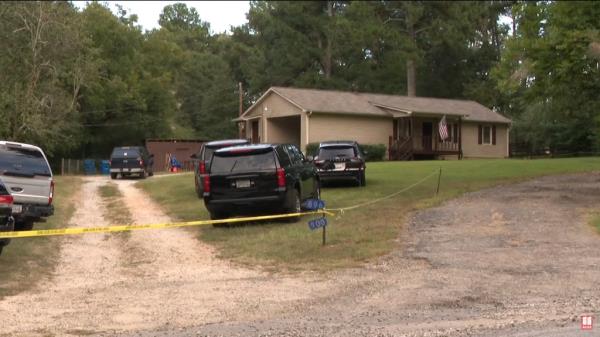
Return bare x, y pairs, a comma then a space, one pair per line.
411, 72
411, 78
328, 54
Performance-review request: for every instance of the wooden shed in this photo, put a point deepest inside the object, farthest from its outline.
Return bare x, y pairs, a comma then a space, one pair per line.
182, 149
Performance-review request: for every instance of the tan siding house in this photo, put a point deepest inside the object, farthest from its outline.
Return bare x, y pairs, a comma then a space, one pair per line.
407, 126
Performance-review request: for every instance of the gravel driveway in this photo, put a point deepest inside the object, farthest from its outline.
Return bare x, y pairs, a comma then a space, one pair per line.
516, 260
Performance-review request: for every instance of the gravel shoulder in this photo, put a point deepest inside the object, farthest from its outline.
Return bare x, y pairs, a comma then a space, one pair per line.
515, 260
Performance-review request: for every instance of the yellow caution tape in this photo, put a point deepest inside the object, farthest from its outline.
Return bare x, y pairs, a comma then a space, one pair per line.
123, 228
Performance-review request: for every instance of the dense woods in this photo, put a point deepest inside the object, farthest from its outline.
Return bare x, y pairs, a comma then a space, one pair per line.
79, 82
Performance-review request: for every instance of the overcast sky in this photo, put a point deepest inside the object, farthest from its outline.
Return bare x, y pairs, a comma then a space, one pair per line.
220, 14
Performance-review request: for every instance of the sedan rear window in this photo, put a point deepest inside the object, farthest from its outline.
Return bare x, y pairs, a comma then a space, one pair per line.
242, 162
125, 153
332, 152
20, 161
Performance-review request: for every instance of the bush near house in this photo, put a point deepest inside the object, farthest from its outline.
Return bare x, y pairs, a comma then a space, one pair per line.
373, 152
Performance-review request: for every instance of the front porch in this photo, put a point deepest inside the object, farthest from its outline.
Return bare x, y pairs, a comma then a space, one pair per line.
418, 136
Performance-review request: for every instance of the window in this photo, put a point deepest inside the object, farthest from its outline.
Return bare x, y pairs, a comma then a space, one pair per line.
284, 159
487, 135
295, 154
242, 162
331, 152
22, 161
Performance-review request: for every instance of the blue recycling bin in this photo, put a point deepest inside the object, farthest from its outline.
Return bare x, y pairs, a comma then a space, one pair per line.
89, 166
105, 167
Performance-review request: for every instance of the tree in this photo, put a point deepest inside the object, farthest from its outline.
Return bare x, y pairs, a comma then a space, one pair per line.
551, 73
45, 65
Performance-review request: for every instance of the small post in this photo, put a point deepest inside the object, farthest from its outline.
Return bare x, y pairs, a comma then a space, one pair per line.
77, 166
69, 166
437, 191
324, 235
62, 166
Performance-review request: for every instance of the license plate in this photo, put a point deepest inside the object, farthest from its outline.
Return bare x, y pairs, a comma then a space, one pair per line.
242, 183
340, 166
17, 208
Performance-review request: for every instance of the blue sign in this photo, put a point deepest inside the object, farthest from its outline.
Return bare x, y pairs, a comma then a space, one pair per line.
317, 223
314, 204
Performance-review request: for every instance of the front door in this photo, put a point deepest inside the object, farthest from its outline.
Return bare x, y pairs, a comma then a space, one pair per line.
255, 138
427, 135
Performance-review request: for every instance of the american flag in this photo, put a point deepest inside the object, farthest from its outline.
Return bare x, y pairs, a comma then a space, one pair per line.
443, 128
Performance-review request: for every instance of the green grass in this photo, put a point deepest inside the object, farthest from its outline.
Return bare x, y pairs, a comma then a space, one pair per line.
116, 210
595, 221
358, 235
26, 261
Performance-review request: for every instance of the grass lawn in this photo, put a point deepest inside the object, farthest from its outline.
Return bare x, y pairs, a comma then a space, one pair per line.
116, 210
595, 221
25, 261
357, 235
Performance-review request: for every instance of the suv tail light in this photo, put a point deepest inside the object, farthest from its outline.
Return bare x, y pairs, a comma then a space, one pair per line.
51, 192
281, 177
6, 199
206, 181
202, 167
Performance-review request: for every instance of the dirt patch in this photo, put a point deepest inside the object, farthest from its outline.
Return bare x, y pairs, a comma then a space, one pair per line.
148, 279
501, 261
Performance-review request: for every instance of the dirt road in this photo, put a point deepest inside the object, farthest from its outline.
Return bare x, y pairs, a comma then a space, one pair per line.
516, 260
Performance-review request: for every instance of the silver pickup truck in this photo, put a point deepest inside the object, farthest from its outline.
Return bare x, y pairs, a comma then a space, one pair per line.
25, 172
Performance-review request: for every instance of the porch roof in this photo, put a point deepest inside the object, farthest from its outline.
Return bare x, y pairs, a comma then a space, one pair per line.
355, 103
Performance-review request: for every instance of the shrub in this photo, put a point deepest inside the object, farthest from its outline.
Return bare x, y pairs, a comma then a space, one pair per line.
374, 152
311, 149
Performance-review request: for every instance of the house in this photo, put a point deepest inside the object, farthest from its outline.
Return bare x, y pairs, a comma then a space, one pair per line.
407, 126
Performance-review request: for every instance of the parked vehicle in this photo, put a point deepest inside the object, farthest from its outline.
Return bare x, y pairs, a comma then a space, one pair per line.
340, 160
259, 178
6, 220
26, 174
131, 160
204, 156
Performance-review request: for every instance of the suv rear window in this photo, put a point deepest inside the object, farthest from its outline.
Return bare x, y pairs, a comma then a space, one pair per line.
208, 152
242, 162
331, 152
125, 153
23, 162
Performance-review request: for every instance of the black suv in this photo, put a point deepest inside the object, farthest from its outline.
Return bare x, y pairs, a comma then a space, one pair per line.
259, 178
204, 156
131, 160
340, 160
6, 220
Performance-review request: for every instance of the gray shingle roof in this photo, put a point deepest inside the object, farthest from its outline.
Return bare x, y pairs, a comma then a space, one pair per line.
330, 101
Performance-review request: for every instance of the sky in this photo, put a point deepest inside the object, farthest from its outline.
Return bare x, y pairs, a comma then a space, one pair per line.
220, 14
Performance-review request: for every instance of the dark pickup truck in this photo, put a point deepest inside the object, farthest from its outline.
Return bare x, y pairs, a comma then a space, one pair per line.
131, 160
259, 178
6, 219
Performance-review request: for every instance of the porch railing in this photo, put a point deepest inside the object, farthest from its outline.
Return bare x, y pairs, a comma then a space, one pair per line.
405, 148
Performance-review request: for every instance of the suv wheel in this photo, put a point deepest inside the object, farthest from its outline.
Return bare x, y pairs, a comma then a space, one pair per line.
294, 205
113, 176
